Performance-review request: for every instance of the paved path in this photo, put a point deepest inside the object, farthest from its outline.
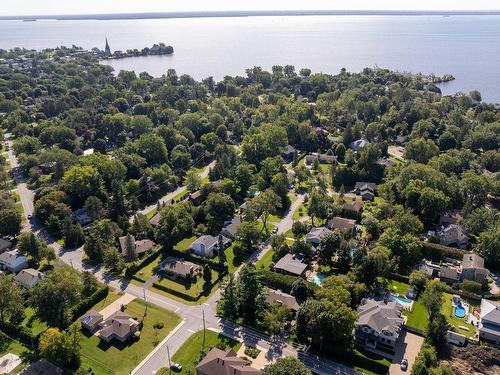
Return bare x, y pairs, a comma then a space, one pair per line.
181, 189
192, 315
116, 305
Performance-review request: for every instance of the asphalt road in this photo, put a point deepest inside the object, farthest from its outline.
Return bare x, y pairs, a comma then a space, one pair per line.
192, 315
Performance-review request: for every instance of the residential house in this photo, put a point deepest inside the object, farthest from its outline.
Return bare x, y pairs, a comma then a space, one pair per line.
155, 220
489, 322
352, 209
119, 326
291, 264
28, 277
359, 144
180, 268
82, 217
366, 190
473, 267
5, 245
290, 175
379, 325
315, 235
230, 227
385, 162
277, 296
453, 235
401, 140
450, 217
88, 151
13, 261
207, 245
341, 223
322, 158
196, 197
91, 320
41, 367
289, 153
220, 362
140, 246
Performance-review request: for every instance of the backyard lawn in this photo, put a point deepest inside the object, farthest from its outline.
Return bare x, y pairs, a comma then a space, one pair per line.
265, 261
120, 359
183, 245
32, 322
280, 214
190, 353
417, 318
232, 262
447, 311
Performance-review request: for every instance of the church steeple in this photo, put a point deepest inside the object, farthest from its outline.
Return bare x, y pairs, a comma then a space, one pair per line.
107, 50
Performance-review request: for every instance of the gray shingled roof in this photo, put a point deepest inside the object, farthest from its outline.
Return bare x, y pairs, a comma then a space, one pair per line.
381, 316
292, 264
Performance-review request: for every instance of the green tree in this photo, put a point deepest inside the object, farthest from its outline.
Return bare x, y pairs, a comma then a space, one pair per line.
35, 247
192, 180
421, 150
418, 280
82, 182
207, 274
218, 208
318, 205
489, 246
94, 208
54, 297
248, 233
328, 247
10, 222
228, 303
249, 293
11, 299
266, 204
276, 317
286, 366
62, 347
130, 248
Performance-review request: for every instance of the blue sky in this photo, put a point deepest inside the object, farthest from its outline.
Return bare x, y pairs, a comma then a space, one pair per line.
39, 7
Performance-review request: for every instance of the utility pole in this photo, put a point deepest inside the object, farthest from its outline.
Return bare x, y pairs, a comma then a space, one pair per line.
145, 301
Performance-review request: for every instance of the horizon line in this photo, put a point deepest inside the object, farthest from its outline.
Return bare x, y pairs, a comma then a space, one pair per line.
245, 13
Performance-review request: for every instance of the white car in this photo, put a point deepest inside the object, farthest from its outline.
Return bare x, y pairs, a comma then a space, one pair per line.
404, 364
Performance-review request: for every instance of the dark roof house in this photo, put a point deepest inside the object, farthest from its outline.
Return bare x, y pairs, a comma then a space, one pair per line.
140, 246
180, 267
341, 223
219, 362
291, 264
119, 326
277, 296
91, 320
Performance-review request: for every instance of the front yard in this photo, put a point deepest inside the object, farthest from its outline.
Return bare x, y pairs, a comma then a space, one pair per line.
120, 359
192, 351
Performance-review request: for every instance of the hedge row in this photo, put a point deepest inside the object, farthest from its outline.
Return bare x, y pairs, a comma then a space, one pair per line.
134, 267
90, 301
400, 278
187, 296
21, 333
284, 283
437, 251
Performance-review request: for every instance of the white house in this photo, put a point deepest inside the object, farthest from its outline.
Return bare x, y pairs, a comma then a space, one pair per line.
489, 324
28, 277
13, 261
207, 245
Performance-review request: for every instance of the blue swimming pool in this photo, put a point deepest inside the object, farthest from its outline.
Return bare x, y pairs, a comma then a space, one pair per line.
318, 278
459, 311
395, 297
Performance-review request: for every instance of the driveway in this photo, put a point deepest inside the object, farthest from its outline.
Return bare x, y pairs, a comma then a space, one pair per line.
115, 306
408, 348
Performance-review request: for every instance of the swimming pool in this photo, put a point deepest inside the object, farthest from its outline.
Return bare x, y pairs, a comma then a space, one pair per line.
318, 279
459, 311
395, 297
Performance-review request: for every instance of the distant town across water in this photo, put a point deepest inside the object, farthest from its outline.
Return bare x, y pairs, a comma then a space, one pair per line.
465, 46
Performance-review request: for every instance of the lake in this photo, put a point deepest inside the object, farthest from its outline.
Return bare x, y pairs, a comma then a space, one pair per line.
466, 46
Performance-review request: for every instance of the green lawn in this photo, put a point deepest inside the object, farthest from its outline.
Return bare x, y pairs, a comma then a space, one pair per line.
120, 359
184, 244
300, 212
190, 354
7, 345
32, 322
265, 261
418, 317
190, 289
447, 311
108, 300
280, 214
360, 360
395, 286
232, 261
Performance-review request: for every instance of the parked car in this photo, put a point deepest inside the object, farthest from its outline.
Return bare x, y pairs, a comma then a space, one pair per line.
275, 230
176, 367
404, 364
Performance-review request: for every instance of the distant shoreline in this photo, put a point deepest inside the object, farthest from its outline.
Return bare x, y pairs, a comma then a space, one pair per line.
260, 13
